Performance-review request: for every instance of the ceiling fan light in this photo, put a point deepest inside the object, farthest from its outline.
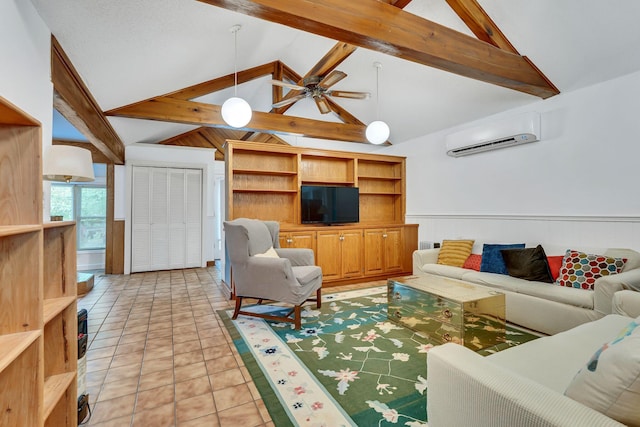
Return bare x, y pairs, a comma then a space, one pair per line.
236, 112
377, 132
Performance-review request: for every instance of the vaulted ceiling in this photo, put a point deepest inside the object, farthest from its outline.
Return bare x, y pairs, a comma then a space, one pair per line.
161, 68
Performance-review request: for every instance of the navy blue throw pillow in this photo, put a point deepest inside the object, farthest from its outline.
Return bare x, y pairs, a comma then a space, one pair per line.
492, 261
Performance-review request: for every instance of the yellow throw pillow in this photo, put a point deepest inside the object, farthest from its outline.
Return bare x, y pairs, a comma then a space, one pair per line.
455, 252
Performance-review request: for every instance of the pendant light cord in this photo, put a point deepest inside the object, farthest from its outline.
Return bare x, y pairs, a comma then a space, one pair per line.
235, 62
378, 66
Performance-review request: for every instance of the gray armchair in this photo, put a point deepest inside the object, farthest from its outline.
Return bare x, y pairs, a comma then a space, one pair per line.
292, 277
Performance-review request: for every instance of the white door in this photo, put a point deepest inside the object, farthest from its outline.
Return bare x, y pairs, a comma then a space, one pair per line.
166, 218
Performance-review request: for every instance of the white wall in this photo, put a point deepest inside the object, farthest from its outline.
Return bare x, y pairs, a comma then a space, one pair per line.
578, 185
168, 156
25, 71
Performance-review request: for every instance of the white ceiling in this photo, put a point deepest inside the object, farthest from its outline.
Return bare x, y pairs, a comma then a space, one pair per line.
128, 50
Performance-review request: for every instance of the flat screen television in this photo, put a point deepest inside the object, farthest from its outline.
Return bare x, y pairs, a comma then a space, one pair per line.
329, 205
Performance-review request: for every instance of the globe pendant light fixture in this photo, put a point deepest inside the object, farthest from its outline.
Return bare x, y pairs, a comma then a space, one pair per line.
236, 112
378, 131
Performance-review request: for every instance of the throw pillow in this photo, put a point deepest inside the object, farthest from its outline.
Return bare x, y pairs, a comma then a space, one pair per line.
555, 262
473, 262
454, 252
528, 264
580, 270
610, 382
270, 253
492, 261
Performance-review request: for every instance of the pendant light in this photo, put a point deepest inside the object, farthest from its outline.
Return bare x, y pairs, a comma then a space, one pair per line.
236, 112
378, 131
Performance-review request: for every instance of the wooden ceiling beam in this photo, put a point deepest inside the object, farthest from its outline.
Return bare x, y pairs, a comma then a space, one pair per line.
74, 101
197, 113
481, 24
378, 26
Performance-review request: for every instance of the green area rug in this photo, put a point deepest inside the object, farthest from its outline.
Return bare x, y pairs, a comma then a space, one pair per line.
348, 365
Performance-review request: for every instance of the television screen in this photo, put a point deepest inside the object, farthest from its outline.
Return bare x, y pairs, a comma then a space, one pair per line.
329, 205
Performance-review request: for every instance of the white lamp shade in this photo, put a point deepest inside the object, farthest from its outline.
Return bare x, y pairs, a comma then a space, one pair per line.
68, 164
236, 112
377, 132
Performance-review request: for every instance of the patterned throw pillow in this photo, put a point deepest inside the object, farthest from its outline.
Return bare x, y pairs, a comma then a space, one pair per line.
473, 262
580, 270
454, 252
610, 382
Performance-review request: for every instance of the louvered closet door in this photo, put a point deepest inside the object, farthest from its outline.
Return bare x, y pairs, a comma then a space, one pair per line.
193, 217
141, 220
167, 218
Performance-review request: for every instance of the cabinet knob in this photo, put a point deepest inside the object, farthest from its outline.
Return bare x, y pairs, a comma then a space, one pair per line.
447, 313
341, 237
397, 314
397, 296
384, 236
446, 337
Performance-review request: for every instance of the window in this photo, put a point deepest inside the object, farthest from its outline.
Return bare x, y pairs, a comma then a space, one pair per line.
87, 204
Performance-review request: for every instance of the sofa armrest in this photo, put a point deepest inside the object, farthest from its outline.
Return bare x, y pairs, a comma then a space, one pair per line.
424, 256
297, 256
466, 389
605, 287
627, 303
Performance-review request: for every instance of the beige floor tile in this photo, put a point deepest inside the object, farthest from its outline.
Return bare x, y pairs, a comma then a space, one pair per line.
118, 389
117, 422
246, 415
113, 408
192, 387
154, 365
98, 364
156, 379
232, 396
185, 347
189, 358
99, 353
117, 374
155, 397
194, 370
225, 379
262, 408
195, 407
210, 420
107, 342
132, 338
124, 359
162, 416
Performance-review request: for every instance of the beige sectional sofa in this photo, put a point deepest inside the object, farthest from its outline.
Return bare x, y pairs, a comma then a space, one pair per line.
544, 307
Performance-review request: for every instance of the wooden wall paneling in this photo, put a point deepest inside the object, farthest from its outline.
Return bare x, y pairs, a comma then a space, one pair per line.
118, 247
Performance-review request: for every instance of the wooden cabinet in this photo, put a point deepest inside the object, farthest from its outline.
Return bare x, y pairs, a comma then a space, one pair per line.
339, 254
38, 339
383, 251
298, 239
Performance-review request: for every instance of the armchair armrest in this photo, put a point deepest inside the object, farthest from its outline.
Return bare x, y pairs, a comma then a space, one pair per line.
297, 256
605, 287
627, 303
466, 389
422, 257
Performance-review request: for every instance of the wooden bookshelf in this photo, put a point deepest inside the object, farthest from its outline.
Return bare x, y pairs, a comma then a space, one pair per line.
38, 320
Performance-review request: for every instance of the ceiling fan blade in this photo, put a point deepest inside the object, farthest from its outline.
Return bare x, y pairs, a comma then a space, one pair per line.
287, 85
322, 104
347, 94
289, 101
332, 78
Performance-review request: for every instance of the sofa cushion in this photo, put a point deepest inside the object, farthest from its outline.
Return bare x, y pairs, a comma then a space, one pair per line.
473, 262
492, 261
444, 270
555, 263
454, 252
528, 264
610, 382
580, 270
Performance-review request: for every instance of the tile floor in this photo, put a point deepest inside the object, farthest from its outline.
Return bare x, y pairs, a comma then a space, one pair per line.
159, 355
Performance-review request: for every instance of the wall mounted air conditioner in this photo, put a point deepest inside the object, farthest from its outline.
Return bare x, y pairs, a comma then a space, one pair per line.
507, 132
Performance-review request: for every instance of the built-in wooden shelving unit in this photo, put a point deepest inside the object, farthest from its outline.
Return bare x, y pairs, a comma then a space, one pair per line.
38, 320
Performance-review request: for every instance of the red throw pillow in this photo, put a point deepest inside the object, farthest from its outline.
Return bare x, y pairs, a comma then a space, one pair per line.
474, 260
555, 262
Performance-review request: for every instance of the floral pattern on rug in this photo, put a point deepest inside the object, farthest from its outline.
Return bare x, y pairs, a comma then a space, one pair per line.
348, 365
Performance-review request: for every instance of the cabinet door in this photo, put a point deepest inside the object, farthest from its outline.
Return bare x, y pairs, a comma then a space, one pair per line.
193, 217
176, 209
351, 253
393, 249
328, 254
303, 239
374, 251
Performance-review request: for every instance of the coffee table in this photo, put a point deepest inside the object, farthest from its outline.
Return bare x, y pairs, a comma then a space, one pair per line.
448, 310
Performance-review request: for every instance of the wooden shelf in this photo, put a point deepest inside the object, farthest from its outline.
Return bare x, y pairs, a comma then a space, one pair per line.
381, 178
12, 230
263, 172
55, 306
262, 190
54, 387
327, 181
54, 224
379, 193
12, 345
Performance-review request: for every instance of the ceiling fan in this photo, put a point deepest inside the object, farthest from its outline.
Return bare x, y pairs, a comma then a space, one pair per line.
317, 87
